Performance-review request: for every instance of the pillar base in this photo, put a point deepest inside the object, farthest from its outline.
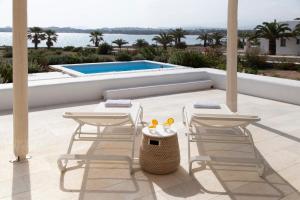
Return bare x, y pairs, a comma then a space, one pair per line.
20, 160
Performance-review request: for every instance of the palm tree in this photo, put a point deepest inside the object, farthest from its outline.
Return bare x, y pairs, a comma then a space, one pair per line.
243, 36
297, 30
206, 38
178, 34
51, 37
272, 31
164, 39
96, 37
120, 42
36, 35
140, 43
217, 37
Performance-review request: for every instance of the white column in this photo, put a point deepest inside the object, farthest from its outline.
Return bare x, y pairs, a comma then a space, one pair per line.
20, 82
232, 42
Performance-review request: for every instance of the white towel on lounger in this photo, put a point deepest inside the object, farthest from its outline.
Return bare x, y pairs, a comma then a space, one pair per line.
207, 105
118, 103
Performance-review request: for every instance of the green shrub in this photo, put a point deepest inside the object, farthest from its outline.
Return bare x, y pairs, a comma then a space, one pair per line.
75, 59
87, 51
251, 70
8, 53
39, 56
213, 52
138, 57
34, 67
53, 49
123, 56
149, 53
58, 52
162, 57
77, 49
253, 59
94, 58
90, 58
105, 59
190, 59
181, 45
63, 59
68, 48
105, 48
221, 66
6, 72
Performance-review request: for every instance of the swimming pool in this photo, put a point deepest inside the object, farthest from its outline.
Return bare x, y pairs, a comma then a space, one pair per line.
100, 68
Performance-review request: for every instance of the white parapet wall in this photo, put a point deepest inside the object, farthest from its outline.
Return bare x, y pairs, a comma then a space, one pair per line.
279, 89
154, 90
91, 88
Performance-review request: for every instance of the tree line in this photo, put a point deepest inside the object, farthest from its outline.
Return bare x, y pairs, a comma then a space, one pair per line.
268, 30
37, 35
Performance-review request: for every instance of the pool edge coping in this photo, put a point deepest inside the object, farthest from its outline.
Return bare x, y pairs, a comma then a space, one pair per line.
73, 73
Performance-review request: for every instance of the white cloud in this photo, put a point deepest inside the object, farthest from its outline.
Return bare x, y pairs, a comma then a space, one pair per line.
149, 13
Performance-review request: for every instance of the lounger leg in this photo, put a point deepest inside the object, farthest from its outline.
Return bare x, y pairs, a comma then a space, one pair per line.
133, 147
77, 131
99, 131
189, 153
62, 166
183, 116
260, 165
141, 114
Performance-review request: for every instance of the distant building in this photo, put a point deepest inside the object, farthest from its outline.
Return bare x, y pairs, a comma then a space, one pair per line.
284, 46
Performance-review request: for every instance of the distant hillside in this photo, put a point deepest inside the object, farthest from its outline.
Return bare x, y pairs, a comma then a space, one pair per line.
123, 30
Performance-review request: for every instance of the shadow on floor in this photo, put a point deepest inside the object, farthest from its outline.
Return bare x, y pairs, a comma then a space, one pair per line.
21, 186
188, 187
106, 179
239, 180
291, 137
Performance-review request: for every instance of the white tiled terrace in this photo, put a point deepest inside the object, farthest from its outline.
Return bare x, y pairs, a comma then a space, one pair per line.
276, 137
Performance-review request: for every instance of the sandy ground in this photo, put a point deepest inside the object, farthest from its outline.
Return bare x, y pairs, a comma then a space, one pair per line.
281, 74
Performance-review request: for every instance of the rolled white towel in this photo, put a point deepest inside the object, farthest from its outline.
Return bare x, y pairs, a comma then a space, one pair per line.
207, 105
118, 103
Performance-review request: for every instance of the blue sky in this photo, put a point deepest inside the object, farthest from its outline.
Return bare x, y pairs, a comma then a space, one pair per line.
149, 13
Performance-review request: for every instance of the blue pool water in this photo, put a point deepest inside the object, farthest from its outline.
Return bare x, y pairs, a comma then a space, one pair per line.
115, 67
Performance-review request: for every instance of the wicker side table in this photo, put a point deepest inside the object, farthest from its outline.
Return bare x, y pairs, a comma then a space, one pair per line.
159, 151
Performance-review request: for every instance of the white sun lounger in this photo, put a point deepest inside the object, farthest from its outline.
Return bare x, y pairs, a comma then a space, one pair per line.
199, 122
103, 117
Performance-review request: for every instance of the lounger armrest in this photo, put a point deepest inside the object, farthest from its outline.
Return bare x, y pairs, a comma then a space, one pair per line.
225, 117
94, 115
223, 120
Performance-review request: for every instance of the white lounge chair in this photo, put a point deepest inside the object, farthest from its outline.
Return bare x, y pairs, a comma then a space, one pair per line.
104, 117
202, 122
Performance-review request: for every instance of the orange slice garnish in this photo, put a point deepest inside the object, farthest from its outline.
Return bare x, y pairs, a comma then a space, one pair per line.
170, 121
154, 122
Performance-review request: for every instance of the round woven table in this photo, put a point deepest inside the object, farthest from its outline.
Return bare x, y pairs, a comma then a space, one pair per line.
159, 151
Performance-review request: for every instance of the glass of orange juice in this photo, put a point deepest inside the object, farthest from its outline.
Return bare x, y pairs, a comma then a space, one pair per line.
153, 125
168, 123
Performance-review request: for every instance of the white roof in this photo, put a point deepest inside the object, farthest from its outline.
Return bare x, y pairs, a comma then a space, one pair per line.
292, 24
